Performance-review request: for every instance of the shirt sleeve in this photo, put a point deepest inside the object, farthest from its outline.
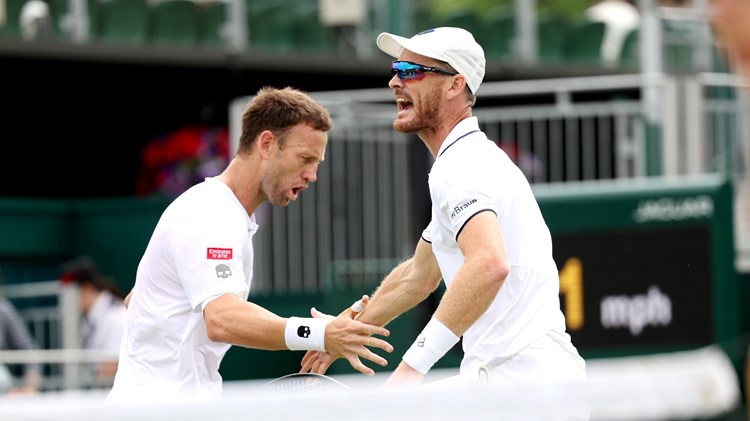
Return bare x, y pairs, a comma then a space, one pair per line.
427, 232
211, 260
463, 202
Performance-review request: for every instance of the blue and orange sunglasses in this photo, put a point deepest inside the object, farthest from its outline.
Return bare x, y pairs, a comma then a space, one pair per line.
407, 70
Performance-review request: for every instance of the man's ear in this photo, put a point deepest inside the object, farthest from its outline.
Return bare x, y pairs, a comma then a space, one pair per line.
266, 140
458, 85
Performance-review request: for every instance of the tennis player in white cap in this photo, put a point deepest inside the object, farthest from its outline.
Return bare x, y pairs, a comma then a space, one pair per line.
487, 239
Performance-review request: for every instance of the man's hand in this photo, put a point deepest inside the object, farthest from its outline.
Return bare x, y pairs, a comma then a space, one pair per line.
318, 361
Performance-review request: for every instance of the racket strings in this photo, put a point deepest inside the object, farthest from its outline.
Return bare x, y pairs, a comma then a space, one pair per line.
303, 384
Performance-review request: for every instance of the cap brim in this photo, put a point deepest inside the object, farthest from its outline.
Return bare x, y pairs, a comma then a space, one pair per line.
394, 45
391, 44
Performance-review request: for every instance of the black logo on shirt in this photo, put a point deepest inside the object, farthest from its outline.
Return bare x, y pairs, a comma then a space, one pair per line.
460, 208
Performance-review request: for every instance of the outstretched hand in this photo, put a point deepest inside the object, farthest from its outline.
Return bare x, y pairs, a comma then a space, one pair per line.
349, 339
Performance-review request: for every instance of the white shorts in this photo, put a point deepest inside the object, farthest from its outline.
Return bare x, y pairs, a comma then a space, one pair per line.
546, 360
546, 380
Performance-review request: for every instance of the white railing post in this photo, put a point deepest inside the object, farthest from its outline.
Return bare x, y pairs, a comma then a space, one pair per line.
70, 318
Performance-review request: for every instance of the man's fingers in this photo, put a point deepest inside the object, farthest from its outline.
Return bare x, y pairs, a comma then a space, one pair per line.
307, 362
378, 343
377, 359
319, 314
357, 365
321, 367
358, 306
370, 330
309, 355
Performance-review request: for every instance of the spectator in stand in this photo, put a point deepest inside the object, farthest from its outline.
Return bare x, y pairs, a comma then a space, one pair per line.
15, 335
620, 17
103, 316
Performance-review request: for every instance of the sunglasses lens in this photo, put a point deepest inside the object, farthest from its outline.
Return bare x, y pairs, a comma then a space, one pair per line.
407, 71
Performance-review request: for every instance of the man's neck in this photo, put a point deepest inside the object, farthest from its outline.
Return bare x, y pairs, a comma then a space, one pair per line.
242, 177
434, 139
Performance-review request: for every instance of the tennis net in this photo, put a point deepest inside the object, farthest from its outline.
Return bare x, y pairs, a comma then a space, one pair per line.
686, 385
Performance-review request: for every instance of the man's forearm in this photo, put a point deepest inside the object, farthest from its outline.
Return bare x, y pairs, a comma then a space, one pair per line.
398, 293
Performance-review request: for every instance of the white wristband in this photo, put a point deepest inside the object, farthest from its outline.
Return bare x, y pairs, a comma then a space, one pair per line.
433, 342
302, 334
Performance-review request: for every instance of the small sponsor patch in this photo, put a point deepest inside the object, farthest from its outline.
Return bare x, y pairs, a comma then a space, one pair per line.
460, 208
214, 253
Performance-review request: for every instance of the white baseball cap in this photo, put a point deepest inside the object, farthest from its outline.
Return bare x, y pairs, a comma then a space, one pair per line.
455, 46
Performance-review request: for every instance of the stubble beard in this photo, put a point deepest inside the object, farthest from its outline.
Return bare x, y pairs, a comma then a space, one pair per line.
425, 120
272, 193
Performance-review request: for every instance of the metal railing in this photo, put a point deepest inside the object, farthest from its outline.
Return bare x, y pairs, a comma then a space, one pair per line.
52, 314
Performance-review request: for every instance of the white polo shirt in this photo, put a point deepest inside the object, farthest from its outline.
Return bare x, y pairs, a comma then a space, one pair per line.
200, 248
102, 327
471, 174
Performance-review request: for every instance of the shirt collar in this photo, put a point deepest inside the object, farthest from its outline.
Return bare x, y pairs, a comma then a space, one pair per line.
463, 127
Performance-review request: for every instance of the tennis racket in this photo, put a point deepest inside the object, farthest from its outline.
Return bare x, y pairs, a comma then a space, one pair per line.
305, 383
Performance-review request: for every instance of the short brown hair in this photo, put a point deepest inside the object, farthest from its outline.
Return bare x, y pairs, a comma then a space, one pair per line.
278, 110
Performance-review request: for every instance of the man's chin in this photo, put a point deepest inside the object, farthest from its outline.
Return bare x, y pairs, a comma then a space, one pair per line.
283, 202
403, 127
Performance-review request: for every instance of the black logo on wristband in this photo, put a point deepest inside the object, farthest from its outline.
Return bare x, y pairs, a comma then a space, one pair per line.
303, 331
420, 343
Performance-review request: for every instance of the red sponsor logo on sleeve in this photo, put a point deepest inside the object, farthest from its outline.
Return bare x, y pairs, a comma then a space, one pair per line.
216, 253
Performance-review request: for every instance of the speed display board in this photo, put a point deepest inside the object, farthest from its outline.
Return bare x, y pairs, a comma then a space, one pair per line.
645, 268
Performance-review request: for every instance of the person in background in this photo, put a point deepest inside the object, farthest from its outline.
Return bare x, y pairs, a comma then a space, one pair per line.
102, 316
15, 335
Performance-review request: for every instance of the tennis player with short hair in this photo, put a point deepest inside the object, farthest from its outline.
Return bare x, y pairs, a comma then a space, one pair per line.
189, 302
487, 239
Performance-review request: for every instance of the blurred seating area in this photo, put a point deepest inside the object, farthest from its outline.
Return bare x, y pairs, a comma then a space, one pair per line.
303, 26
276, 25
